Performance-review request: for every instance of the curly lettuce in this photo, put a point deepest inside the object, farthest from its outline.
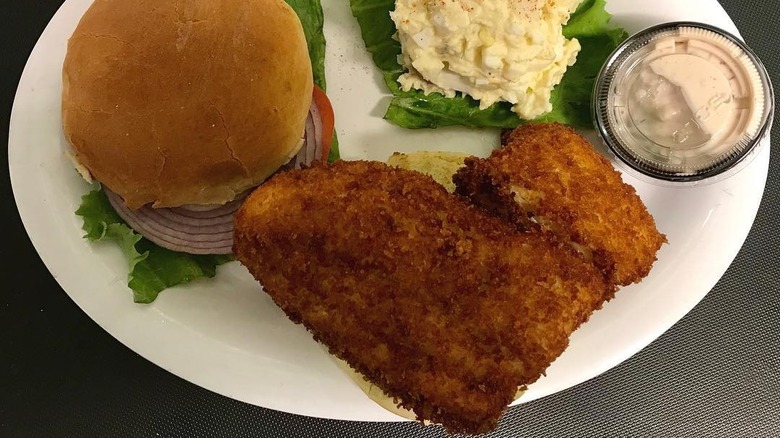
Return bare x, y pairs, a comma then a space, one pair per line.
152, 268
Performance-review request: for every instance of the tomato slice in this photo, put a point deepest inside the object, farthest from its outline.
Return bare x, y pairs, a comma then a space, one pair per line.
328, 119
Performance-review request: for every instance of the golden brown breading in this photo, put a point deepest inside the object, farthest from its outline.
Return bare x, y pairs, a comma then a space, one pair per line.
442, 306
549, 176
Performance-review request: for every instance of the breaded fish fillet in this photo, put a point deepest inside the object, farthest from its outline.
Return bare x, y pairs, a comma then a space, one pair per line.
444, 307
549, 176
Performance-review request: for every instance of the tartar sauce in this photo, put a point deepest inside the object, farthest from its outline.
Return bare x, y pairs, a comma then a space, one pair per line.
683, 101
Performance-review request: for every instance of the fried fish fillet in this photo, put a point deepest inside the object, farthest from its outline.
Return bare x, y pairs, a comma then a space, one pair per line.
447, 309
548, 176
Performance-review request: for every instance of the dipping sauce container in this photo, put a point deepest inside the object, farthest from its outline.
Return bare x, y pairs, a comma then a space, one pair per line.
683, 103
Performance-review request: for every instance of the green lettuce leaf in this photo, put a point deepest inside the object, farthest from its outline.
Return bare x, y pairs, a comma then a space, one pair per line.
377, 30
416, 110
310, 14
152, 268
590, 24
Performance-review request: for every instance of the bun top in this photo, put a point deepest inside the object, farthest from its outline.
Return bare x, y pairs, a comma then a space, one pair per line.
185, 102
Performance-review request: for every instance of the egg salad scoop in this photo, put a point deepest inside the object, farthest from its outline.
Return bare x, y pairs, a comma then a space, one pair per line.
501, 50
590, 25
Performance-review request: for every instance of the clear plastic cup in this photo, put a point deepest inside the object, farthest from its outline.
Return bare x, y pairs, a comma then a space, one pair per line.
683, 103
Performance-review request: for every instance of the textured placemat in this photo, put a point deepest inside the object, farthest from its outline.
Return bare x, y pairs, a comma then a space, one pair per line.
715, 373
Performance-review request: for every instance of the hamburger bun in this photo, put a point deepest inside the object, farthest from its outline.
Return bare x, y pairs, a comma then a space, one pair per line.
188, 102
439, 165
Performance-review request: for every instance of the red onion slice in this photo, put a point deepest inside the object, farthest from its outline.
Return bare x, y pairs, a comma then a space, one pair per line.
311, 150
190, 229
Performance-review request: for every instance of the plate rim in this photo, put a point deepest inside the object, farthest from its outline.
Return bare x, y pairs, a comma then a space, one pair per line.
24, 212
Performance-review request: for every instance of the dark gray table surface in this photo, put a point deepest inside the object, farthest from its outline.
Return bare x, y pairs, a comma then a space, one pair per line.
715, 373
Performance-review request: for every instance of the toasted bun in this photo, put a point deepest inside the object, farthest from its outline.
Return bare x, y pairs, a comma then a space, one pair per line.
185, 102
379, 397
439, 165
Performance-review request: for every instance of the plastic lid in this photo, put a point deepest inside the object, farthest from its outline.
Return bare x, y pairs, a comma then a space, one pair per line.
683, 102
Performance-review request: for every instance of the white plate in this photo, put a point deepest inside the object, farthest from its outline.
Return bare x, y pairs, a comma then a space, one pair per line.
224, 334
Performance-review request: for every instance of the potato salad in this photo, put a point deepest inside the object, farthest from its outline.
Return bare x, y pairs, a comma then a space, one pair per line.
491, 50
